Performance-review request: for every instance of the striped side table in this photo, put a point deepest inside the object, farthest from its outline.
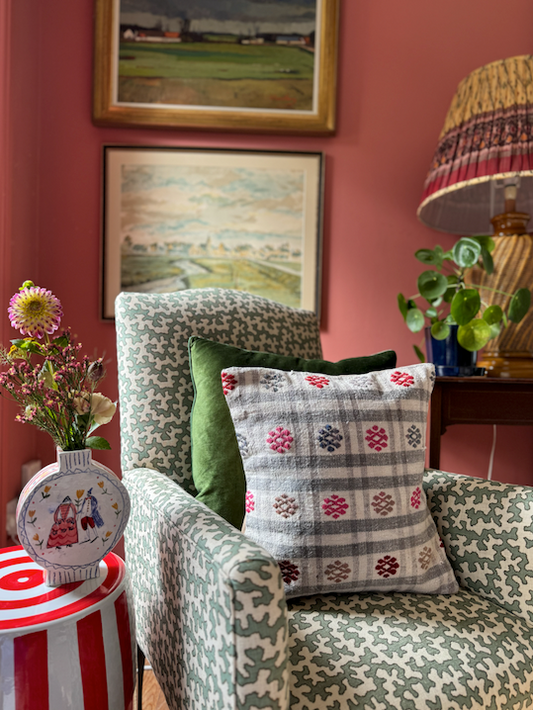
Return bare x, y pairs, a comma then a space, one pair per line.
69, 647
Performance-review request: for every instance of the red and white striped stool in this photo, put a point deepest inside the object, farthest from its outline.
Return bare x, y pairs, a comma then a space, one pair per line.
65, 648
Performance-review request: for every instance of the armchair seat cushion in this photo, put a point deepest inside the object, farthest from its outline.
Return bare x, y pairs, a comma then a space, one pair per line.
378, 651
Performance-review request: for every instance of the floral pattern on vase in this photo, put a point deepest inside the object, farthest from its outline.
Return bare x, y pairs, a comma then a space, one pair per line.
70, 515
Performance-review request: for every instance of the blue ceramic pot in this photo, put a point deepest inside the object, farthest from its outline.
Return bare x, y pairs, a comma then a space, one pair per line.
450, 358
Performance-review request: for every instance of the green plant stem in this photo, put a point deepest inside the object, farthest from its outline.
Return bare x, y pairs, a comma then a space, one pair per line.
489, 288
49, 365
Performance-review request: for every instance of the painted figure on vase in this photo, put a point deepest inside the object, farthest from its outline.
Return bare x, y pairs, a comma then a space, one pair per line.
64, 530
90, 517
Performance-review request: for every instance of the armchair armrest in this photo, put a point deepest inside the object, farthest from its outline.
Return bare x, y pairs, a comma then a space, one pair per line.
199, 583
487, 530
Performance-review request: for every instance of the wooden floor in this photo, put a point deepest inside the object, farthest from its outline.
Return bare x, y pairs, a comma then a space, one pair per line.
153, 698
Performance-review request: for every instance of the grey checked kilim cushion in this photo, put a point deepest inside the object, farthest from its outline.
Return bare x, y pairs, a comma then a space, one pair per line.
334, 468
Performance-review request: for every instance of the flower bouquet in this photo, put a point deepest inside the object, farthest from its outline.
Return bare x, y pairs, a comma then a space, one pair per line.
73, 511
55, 389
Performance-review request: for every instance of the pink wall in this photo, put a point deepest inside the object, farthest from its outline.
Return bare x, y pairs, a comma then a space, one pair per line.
19, 179
399, 64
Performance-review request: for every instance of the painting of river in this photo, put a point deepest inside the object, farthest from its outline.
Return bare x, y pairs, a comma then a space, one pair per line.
232, 219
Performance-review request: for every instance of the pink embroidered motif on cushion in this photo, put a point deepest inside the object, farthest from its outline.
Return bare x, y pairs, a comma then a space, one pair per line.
249, 502
280, 439
317, 381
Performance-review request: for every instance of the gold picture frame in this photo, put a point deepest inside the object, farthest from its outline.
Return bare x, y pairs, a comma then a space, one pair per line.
129, 111
180, 218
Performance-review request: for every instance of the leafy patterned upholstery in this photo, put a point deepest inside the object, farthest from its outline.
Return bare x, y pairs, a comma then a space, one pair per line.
156, 391
211, 612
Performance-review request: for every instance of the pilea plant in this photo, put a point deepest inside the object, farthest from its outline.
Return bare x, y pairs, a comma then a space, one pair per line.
452, 298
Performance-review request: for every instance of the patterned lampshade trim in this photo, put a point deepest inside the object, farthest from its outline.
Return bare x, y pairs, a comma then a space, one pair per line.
487, 134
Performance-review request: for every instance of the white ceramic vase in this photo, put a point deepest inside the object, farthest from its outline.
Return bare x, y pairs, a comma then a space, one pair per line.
70, 515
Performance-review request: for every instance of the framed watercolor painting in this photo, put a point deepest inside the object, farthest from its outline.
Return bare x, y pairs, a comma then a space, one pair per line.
239, 65
180, 218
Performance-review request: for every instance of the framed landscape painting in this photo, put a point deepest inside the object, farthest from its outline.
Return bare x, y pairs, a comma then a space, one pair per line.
243, 65
180, 218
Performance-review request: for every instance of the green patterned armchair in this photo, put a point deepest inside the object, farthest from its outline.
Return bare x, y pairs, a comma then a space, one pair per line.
211, 613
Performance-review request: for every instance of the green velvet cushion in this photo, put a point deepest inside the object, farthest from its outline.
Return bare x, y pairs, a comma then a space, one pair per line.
217, 467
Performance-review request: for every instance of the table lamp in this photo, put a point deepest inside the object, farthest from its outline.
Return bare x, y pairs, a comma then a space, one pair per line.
482, 169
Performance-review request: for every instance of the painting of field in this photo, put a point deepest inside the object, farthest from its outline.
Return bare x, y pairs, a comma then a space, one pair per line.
254, 56
156, 274
191, 218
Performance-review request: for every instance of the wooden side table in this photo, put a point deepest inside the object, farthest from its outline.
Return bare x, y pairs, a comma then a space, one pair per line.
66, 647
477, 400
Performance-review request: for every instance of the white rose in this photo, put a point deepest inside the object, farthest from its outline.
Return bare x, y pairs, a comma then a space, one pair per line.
102, 408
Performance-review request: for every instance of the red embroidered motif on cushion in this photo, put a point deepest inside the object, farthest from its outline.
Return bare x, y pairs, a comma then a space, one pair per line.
229, 382
387, 566
377, 438
404, 379
289, 571
416, 498
335, 506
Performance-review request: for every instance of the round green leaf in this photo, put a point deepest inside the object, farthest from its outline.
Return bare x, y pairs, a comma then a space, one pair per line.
519, 305
433, 257
449, 294
451, 290
415, 320
431, 312
424, 255
402, 305
466, 252
431, 285
475, 335
493, 315
465, 305
440, 330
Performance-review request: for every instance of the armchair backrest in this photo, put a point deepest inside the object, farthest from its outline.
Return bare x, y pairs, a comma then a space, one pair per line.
155, 388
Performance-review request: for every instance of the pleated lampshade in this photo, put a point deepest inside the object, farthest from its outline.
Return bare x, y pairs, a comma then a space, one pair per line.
487, 144
487, 135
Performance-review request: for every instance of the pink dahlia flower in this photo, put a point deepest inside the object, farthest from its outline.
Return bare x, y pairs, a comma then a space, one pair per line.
35, 311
